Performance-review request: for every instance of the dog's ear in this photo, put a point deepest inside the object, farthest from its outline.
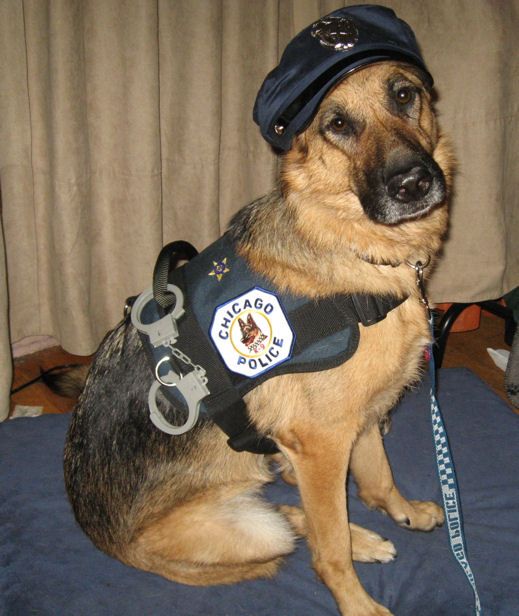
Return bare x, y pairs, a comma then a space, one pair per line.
250, 320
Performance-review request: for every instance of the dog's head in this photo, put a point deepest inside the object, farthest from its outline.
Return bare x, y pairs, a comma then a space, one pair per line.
375, 138
249, 330
364, 165
365, 171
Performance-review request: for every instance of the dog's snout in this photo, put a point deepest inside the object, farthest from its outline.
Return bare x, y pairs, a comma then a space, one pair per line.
408, 185
412, 184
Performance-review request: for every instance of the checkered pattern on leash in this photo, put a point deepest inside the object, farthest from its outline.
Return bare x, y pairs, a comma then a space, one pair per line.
444, 462
449, 486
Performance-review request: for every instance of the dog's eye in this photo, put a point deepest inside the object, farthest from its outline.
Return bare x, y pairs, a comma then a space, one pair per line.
339, 124
405, 95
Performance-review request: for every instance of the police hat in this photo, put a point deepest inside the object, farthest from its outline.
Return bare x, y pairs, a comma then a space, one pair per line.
320, 56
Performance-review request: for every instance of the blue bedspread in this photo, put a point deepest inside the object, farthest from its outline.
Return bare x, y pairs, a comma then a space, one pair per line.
48, 567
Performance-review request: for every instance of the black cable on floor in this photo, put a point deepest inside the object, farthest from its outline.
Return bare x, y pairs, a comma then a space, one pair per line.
42, 375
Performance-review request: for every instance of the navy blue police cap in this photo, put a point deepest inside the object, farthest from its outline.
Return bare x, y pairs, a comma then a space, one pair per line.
323, 54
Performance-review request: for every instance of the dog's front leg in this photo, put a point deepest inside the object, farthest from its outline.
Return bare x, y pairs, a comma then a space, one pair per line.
370, 467
320, 459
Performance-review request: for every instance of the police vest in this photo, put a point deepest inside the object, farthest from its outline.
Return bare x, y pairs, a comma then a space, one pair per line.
233, 331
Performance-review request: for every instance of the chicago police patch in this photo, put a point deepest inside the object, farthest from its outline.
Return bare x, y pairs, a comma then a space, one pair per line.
251, 333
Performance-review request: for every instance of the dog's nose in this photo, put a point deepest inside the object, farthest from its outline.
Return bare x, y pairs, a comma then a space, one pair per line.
410, 185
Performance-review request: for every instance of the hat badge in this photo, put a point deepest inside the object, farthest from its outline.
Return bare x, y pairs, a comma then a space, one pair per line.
340, 33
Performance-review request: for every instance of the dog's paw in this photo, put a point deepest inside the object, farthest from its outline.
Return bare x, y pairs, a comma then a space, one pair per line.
368, 547
296, 518
285, 468
420, 515
366, 608
380, 610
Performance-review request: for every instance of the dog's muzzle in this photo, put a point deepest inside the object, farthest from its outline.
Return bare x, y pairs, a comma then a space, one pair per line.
410, 185
407, 186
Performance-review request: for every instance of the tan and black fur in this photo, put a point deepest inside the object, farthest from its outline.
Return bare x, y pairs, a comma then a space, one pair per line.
189, 507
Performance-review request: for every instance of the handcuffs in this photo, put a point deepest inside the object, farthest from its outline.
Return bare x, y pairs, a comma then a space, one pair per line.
164, 333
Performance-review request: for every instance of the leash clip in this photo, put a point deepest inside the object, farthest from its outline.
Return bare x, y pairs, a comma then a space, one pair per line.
419, 268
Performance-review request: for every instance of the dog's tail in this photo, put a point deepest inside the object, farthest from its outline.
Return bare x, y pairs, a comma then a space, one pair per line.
68, 382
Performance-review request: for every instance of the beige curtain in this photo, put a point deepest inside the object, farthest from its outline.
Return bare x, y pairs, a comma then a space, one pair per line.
127, 124
5, 356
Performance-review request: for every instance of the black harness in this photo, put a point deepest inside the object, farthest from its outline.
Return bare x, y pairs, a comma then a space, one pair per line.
213, 330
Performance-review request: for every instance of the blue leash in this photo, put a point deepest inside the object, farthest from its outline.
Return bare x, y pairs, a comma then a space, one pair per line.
446, 471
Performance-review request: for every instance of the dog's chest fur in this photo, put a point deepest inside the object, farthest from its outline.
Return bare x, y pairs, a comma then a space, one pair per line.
388, 359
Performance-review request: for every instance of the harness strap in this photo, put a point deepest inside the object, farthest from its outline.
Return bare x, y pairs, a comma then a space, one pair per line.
167, 260
314, 320
326, 316
224, 405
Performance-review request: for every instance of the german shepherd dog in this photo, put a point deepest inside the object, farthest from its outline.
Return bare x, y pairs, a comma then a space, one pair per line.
251, 335
362, 196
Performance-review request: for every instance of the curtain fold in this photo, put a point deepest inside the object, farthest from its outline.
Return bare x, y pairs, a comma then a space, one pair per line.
6, 370
125, 124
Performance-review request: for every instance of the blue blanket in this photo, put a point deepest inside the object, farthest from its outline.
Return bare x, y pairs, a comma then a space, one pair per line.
48, 567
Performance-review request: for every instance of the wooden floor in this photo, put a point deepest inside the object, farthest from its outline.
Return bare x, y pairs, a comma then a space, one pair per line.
465, 349
29, 367
469, 350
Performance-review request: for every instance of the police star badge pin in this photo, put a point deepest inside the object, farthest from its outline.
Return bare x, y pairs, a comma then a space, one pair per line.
219, 269
340, 33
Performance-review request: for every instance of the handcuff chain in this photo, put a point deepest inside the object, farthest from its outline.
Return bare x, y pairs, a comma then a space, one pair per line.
178, 354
